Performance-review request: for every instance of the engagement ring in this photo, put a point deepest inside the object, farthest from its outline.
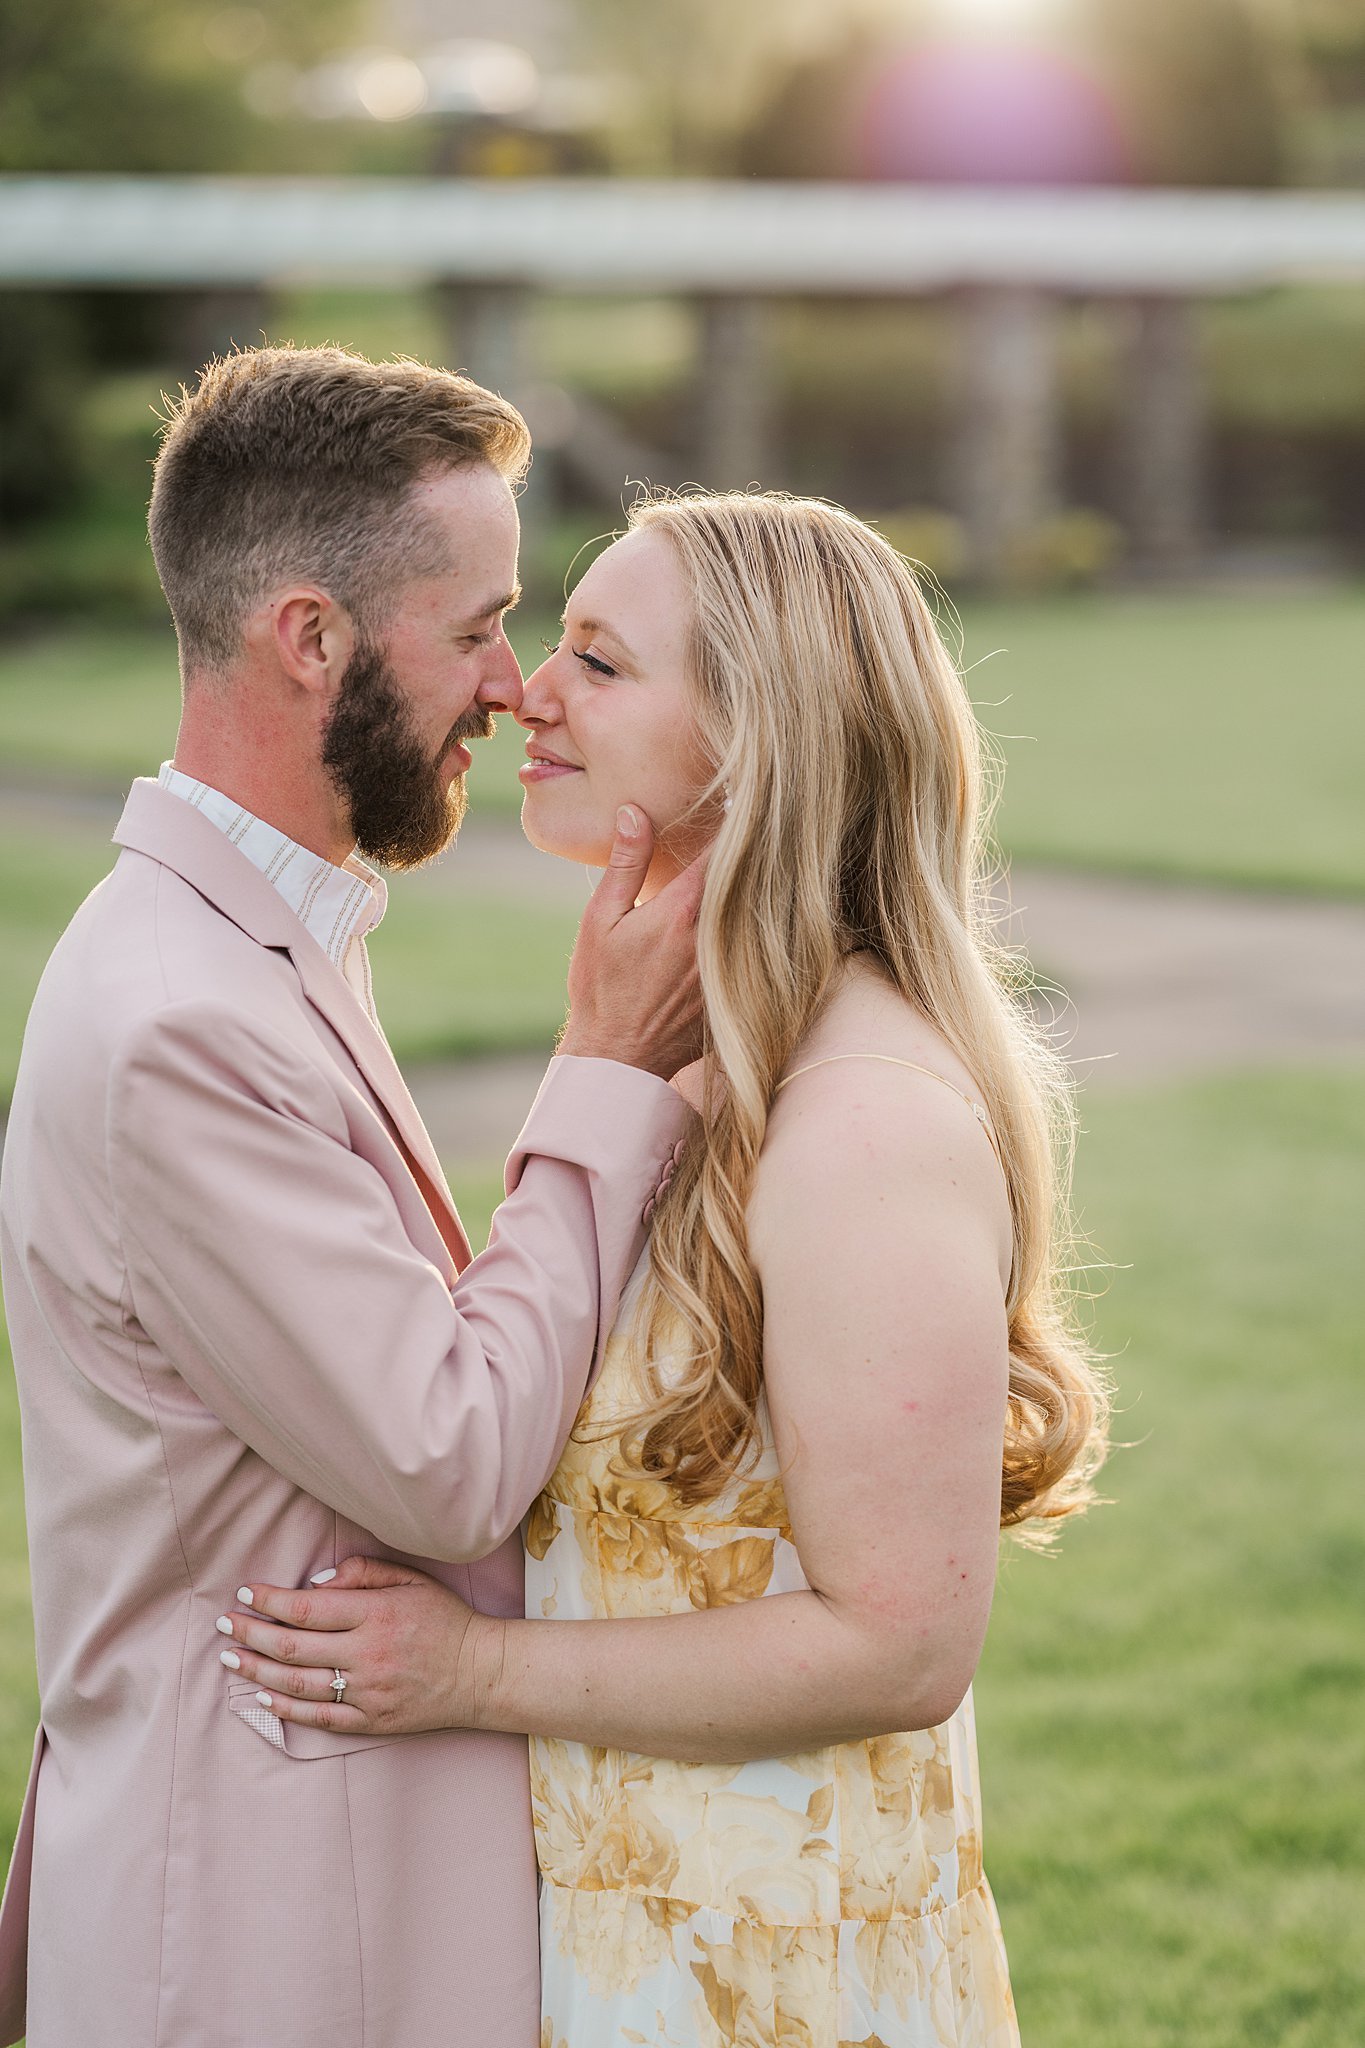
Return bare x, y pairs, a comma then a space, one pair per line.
338, 1683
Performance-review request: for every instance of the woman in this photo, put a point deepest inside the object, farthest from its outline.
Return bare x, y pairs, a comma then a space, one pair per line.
846, 1357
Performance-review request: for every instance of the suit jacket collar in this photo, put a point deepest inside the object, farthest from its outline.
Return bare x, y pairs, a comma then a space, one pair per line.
164, 827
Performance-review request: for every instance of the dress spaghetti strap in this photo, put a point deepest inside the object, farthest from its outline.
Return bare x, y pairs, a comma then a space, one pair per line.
978, 1109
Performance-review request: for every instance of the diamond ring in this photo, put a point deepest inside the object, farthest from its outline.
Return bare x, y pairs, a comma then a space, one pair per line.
338, 1683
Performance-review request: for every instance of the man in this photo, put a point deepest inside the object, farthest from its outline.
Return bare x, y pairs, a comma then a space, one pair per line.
248, 1336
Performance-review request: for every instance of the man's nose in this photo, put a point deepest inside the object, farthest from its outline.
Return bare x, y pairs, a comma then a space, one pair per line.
501, 688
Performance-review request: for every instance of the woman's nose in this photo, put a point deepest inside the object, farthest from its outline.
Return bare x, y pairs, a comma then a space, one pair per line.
538, 699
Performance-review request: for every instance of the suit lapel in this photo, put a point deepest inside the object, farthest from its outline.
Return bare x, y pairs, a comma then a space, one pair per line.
162, 825
328, 990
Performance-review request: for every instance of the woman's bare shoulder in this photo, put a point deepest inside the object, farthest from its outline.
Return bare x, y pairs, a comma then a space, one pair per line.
865, 1115
868, 1022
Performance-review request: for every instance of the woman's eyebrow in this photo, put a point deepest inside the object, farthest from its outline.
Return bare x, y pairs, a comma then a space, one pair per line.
600, 626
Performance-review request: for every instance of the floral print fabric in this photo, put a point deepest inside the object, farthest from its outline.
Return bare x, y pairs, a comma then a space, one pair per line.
832, 1899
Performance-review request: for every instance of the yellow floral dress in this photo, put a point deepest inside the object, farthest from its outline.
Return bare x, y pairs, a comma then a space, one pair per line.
832, 1899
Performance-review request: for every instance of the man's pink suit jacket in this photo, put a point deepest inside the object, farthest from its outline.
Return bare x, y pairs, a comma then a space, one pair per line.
249, 1341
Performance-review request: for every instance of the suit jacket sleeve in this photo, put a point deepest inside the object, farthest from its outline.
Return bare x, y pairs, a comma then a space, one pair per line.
268, 1263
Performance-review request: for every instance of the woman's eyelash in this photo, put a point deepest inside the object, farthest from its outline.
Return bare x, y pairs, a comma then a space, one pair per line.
600, 668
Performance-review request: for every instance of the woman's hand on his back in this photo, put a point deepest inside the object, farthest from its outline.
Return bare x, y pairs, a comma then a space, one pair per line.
410, 1650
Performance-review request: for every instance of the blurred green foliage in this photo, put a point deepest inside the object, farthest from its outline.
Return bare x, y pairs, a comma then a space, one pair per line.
151, 85
1199, 88
128, 86
863, 392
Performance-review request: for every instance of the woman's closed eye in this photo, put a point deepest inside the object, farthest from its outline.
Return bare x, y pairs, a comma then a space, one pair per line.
591, 661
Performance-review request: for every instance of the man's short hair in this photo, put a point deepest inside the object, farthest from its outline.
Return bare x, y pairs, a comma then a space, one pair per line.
288, 465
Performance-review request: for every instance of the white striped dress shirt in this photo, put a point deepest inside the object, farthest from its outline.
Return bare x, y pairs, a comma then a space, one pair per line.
336, 905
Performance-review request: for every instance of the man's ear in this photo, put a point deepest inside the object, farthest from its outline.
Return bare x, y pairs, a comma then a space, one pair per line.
310, 636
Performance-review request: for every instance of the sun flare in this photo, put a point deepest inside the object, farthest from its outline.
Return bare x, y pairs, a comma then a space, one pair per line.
987, 14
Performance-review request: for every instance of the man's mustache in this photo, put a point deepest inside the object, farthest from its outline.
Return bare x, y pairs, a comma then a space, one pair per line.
476, 724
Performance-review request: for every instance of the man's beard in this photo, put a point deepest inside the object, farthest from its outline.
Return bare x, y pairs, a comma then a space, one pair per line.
404, 810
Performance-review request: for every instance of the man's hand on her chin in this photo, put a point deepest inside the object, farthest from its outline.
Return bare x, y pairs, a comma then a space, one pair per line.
634, 991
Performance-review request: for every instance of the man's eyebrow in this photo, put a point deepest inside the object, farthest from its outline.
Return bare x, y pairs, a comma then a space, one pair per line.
499, 604
601, 626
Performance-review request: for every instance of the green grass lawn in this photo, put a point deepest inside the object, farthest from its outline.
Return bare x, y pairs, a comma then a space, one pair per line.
1173, 1753
1212, 735
1216, 736
1173, 1750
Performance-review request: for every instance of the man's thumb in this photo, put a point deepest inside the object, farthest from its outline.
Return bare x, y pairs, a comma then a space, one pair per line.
632, 849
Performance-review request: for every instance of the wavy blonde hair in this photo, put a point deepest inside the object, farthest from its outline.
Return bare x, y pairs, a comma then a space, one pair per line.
857, 816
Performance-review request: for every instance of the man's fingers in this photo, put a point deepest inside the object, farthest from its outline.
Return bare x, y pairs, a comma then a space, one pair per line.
685, 890
632, 849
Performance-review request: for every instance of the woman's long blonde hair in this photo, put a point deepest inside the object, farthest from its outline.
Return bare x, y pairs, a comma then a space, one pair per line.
856, 820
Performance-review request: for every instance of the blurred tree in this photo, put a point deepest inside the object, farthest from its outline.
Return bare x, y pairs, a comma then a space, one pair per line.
151, 85
42, 348
1324, 49
809, 123
692, 72
1329, 36
1197, 85
121, 86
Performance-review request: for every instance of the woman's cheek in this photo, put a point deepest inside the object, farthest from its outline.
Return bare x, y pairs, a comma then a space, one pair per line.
569, 819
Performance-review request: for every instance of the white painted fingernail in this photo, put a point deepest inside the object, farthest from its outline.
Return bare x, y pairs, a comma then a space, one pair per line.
321, 1578
223, 1625
265, 1699
231, 1659
245, 1597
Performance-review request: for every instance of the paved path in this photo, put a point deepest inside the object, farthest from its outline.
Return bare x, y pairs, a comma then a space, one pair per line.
1163, 979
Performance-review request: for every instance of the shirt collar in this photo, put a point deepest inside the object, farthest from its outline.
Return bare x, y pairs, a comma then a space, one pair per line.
334, 904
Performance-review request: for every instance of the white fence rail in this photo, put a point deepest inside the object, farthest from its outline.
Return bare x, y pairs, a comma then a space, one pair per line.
636, 235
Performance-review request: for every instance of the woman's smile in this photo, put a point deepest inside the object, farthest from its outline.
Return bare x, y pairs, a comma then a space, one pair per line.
541, 765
